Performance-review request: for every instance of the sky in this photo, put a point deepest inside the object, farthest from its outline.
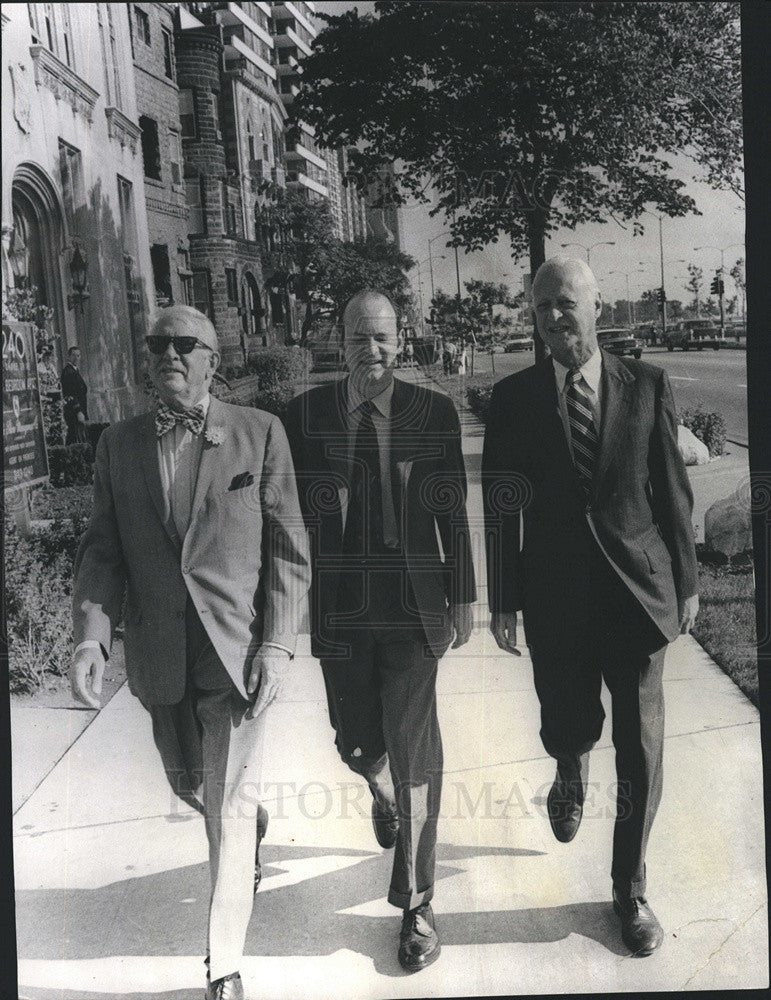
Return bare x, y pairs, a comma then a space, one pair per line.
720, 225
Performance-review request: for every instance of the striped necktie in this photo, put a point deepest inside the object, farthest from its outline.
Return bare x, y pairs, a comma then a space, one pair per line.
583, 433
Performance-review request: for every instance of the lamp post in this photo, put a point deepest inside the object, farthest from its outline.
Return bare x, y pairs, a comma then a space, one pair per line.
629, 305
721, 251
430, 263
588, 250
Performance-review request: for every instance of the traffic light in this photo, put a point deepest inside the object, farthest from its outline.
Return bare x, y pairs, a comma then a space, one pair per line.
662, 297
718, 285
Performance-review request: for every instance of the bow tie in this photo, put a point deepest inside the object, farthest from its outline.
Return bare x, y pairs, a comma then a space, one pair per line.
165, 418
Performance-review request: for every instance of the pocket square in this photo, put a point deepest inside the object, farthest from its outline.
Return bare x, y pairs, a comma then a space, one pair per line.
242, 480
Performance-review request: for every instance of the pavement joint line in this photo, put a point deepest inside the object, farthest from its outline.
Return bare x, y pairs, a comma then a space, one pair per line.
722, 945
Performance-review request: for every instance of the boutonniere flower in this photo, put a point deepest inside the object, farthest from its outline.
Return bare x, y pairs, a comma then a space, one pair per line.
214, 435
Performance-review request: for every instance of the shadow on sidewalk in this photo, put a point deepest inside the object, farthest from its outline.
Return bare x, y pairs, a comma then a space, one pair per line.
165, 914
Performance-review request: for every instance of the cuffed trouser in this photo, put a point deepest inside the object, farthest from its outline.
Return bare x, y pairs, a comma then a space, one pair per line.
609, 638
382, 705
212, 754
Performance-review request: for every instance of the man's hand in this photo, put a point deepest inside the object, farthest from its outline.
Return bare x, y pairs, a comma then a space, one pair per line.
462, 622
88, 664
81, 417
688, 614
503, 625
269, 669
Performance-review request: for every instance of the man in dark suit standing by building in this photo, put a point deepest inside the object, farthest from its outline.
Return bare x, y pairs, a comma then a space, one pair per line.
380, 468
588, 523
75, 396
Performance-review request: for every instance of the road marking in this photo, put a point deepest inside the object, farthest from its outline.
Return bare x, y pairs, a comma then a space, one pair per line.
682, 378
741, 385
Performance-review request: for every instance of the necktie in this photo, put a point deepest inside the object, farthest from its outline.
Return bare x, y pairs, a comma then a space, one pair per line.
583, 433
364, 521
165, 418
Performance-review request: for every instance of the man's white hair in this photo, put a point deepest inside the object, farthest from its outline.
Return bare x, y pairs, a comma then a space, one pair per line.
569, 264
186, 320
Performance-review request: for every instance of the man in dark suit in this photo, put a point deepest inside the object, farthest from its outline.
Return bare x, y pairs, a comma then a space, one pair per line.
588, 521
196, 520
380, 468
75, 396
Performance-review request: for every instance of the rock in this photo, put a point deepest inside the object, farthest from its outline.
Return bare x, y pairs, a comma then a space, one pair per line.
694, 452
727, 524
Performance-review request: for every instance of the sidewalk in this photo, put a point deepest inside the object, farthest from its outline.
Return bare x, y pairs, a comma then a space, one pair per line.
112, 879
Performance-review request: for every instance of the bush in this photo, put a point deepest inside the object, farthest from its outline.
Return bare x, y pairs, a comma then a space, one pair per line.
278, 366
479, 400
59, 503
708, 427
71, 464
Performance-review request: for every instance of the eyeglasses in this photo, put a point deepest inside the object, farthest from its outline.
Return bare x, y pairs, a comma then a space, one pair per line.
159, 343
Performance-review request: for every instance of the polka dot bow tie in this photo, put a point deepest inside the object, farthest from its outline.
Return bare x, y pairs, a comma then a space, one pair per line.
192, 419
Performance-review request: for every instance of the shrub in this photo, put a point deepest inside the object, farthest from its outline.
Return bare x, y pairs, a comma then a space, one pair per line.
708, 427
71, 464
479, 400
278, 366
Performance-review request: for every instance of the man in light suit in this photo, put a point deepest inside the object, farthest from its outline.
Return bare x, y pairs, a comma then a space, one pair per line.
196, 520
588, 520
380, 469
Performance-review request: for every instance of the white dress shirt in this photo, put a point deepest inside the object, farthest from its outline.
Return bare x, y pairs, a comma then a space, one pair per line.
591, 376
381, 418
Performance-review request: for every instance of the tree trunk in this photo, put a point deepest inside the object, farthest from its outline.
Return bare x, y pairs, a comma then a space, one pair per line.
536, 233
307, 321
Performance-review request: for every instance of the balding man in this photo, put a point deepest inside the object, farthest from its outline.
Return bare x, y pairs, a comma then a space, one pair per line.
380, 469
588, 511
196, 520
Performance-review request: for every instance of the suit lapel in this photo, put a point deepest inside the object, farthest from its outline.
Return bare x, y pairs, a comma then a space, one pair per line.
617, 392
211, 455
148, 447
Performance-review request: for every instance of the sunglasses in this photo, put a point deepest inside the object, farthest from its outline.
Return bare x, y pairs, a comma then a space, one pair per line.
158, 344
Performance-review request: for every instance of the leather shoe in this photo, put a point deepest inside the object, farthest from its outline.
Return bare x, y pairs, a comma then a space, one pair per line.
640, 930
418, 941
262, 826
565, 801
228, 988
385, 825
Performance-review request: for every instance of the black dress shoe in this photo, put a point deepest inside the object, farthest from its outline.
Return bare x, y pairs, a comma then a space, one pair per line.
418, 942
262, 826
385, 825
640, 930
228, 988
565, 801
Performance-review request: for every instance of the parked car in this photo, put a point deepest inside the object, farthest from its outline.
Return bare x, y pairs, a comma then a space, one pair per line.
619, 340
519, 344
696, 333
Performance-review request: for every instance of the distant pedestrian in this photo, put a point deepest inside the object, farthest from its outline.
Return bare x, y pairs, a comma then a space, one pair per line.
409, 354
75, 395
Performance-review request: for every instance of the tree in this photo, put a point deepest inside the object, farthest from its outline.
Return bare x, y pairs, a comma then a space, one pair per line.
522, 118
695, 281
310, 237
737, 273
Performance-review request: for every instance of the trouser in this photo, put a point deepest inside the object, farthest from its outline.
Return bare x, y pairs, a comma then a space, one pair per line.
610, 637
212, 754
382, 706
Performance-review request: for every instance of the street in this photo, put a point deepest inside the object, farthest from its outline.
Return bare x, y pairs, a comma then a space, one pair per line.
715, 380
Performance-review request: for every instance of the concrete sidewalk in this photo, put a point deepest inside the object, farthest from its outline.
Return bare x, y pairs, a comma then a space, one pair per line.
112, 875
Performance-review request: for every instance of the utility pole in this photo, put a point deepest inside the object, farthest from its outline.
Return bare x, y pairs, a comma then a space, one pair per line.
663, 298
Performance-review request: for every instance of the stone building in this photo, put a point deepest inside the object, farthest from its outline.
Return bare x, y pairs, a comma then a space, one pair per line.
73, 189
155, 79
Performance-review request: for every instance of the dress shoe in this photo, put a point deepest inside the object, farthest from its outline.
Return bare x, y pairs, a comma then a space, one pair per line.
418, 942
640, 930
565, 801
385, 824
228, 988
262, 826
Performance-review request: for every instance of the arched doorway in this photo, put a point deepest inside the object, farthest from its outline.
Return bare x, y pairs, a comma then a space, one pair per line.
252, 311
37, 242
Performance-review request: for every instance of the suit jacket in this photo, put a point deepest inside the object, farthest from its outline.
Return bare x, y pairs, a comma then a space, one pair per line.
74, 391
428, 477
639, 511
244, 561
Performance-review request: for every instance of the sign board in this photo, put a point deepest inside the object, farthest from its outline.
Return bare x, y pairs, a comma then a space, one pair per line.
25, 461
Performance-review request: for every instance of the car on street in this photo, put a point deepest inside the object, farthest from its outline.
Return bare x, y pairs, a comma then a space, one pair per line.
519, 344
619, 340
694, 333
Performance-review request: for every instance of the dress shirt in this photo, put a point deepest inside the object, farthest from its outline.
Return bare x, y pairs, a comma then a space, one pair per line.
381, 418
591, 372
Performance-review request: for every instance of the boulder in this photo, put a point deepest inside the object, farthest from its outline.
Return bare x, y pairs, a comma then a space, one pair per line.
694, 451
728, 525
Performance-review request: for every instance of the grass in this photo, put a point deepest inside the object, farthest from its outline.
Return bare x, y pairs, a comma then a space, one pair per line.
726, 623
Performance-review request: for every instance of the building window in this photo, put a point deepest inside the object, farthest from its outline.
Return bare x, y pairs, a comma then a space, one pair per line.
34, 23
159, 257
202, 293
231, 282
185, 275
228, 212
175, 161
195, 205
168, 54
250, 138
73, 186
142, 21
187, 114
151, 151
216, 110
50, 28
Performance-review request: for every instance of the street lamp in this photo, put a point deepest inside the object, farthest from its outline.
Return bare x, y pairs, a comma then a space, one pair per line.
430, 264
79, 276
629, 305
588, 250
